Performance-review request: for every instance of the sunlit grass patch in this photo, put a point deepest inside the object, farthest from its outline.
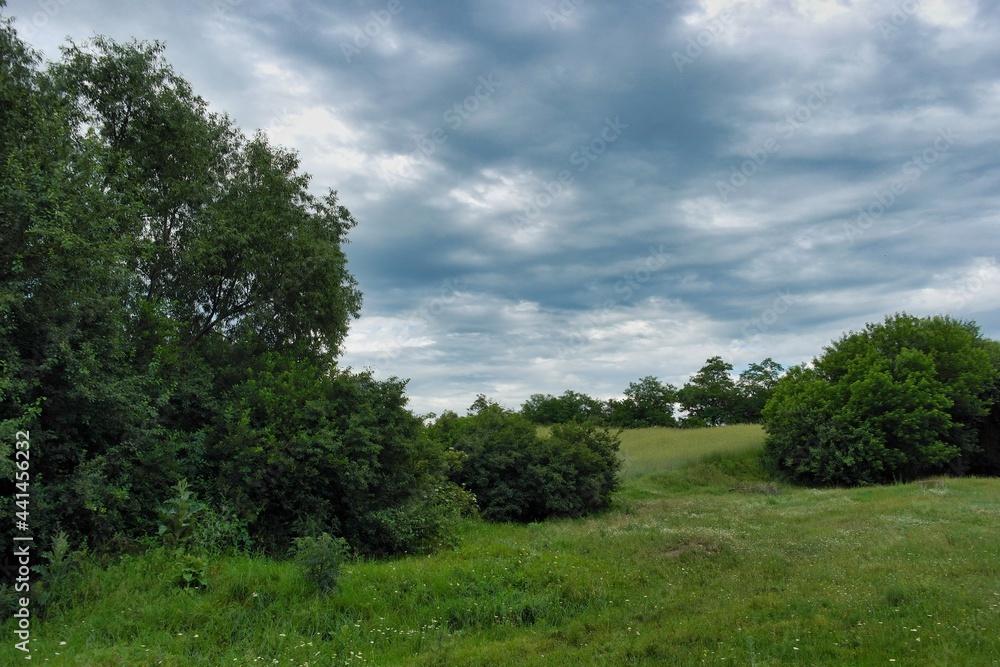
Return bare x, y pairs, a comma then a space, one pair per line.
649, 450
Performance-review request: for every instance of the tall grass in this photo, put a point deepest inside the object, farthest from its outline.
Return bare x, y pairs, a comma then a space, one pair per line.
648, 450
703, 562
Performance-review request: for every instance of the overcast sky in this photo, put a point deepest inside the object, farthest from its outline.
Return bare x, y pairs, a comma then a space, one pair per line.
574, 195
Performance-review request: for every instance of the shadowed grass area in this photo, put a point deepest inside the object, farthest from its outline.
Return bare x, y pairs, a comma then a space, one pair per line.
704, 562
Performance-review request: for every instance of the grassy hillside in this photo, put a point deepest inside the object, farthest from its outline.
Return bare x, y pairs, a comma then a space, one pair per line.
703, 562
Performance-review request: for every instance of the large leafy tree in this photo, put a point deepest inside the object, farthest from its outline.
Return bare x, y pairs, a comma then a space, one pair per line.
902, 398
647, 402
709, 396
172, 302
753, 389
231, 241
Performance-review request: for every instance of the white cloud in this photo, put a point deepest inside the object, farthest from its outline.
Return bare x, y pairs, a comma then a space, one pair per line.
530, 316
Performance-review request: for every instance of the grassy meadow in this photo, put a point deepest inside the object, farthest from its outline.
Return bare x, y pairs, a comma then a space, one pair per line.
702, 560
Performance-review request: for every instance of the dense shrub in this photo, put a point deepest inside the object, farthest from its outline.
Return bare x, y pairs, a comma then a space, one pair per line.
172, 301
302, 451
582, 469
903, 398
517, 475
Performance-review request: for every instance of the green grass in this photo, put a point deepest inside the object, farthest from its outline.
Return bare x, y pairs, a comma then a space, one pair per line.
648, 450
703, 562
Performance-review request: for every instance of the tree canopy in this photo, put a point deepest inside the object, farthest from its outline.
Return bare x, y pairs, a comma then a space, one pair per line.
902, 398
709, 396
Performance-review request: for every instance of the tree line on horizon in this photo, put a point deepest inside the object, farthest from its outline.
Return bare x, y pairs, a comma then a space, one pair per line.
903, 398
711, 397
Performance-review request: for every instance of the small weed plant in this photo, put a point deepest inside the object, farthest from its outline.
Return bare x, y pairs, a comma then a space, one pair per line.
320, 559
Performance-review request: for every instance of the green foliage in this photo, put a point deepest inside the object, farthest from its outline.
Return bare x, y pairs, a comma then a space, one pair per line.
516, 475
59, 574
425, 523
232, 241
320, 559
901, 399
850, 573
305, 450
648, 402
709, 396
186, 523
180, 530
65, 286
754, 388
172, 298
581, 470
193, 570
570, 406
179, 516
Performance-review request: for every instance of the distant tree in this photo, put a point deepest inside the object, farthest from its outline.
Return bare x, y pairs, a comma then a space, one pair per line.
902, 398
709, 397
647, 402
541, 409
569, 407
754, 388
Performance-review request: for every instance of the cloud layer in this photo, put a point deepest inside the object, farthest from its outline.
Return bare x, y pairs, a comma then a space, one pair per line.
574, 194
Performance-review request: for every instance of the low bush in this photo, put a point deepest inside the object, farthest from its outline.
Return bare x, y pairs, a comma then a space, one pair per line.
517, 475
